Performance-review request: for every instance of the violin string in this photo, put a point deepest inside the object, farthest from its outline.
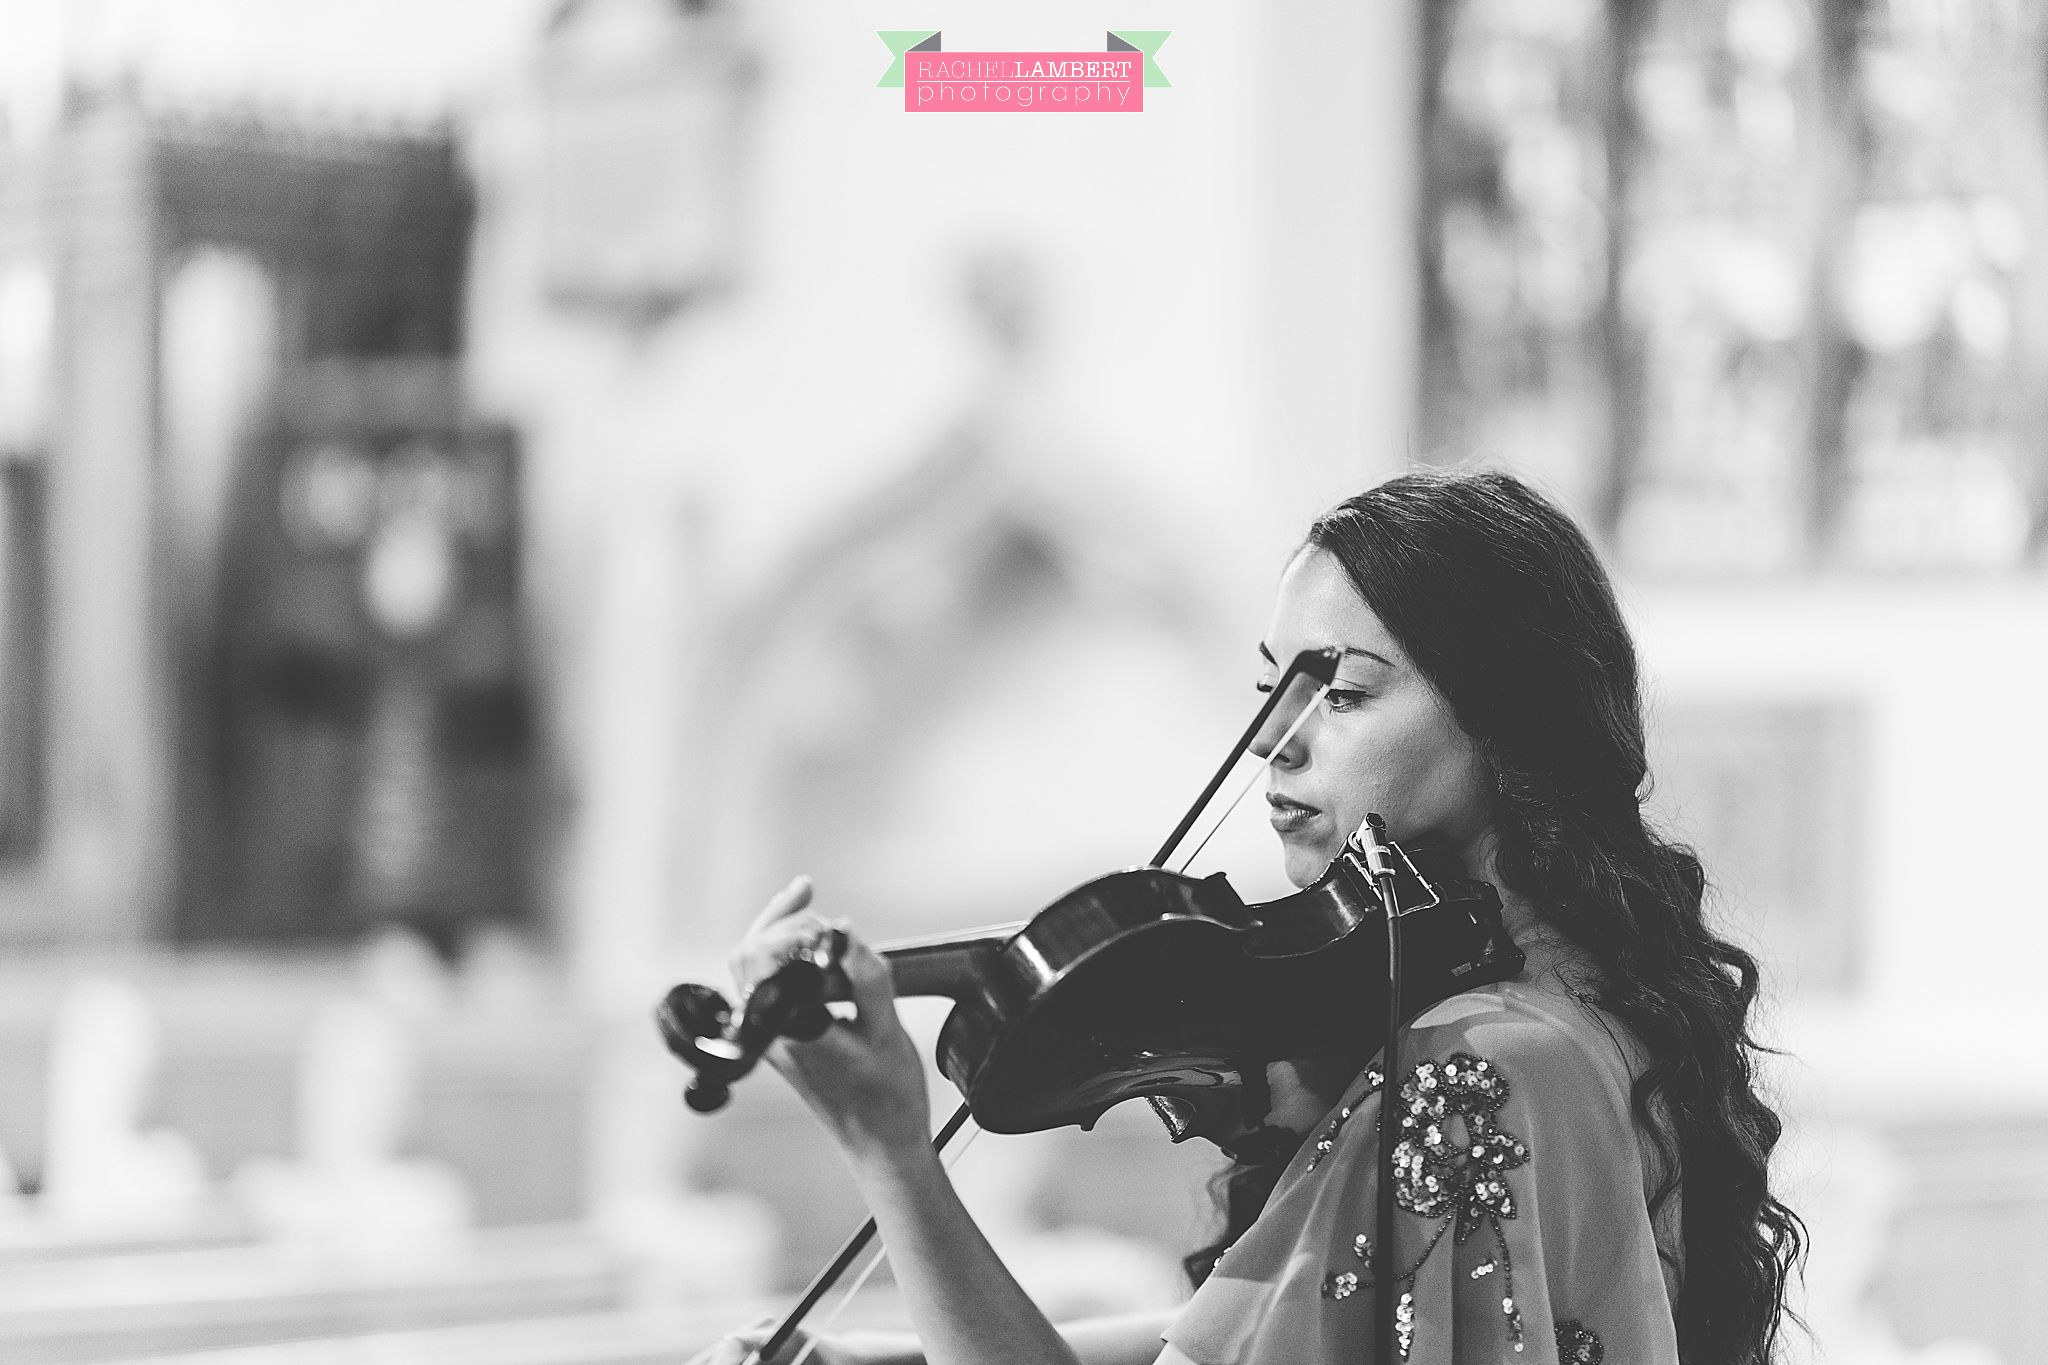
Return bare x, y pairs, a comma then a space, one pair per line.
874, 1263
1253, 779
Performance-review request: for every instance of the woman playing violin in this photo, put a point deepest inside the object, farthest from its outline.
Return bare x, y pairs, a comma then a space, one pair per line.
1589, 1177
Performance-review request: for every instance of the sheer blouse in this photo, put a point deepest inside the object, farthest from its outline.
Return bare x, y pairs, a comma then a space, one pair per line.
1523, 1229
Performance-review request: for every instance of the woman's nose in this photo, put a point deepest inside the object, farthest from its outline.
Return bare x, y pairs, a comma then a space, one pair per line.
1292, 749
1292, 755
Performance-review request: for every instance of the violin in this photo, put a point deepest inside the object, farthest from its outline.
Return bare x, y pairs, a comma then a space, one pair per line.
1144, 983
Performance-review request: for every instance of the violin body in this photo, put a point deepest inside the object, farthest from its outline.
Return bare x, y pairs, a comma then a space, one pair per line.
1147, 983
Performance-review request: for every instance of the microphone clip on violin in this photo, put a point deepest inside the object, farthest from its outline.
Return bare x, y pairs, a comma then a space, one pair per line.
1377, 849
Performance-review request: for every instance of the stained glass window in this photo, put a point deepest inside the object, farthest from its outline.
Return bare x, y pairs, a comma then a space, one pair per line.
1516, 237
1945, 107
1748, 282
1717, 286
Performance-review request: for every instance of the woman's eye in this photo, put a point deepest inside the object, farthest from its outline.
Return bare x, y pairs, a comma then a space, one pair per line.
1343, 699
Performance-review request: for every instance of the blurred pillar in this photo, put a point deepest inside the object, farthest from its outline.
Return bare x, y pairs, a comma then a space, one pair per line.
109, 832
641, 108
1340, 184
626, 822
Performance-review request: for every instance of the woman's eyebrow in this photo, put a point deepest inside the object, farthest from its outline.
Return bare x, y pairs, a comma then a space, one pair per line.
1347, 651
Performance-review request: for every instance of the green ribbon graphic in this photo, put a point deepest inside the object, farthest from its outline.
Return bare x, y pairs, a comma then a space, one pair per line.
1147, 41
900, 41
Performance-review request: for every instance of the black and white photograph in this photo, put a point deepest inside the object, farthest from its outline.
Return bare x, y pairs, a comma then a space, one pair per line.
769, 682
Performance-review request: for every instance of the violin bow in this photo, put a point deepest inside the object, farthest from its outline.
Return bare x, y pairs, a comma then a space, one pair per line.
1317, 666
849, 1251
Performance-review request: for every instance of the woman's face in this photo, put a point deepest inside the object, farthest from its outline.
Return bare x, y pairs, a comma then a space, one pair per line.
1382, 741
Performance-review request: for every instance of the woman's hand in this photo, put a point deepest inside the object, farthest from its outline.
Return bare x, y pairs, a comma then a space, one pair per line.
862, 1076
737, 1348
1128, 1339
853, 1348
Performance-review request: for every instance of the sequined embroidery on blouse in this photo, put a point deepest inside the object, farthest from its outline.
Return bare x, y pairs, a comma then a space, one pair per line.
1578, 1344
1435, 1173
1450, 1164
1328, 1140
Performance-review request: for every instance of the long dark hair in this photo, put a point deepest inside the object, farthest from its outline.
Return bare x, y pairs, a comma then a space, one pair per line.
1502, 604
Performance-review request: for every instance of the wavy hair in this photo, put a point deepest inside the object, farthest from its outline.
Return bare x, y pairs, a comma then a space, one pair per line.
1502, 604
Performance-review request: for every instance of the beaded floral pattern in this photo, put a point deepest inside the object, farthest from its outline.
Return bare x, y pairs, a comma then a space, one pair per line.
1453, 1156
1451, 1164
1578, 1344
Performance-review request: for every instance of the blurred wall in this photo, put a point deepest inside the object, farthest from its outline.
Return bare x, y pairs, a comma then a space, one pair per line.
1114, 344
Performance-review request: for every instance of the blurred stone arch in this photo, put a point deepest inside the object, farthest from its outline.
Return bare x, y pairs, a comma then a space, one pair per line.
994, 676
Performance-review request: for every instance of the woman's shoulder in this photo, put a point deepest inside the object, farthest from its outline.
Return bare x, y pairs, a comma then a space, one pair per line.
1538, 1032
1523, 1195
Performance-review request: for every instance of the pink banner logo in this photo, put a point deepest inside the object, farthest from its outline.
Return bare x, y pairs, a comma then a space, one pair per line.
1023, 82
939, 82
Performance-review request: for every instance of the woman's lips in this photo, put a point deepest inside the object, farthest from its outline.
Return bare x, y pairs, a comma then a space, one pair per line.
1288, 816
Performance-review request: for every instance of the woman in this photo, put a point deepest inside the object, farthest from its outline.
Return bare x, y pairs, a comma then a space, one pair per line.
1590, 1181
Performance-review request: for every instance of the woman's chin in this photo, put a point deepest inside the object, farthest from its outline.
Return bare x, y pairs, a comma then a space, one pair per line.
1304, 862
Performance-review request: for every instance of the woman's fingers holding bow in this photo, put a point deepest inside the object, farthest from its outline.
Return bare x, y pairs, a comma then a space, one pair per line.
735, 1348
738, 1348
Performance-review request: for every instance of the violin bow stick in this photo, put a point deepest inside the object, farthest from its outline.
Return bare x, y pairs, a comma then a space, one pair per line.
878, 1255
849, 1251
1318, 666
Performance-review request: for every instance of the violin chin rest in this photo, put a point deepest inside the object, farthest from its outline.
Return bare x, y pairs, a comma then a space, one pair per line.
1177, 1115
